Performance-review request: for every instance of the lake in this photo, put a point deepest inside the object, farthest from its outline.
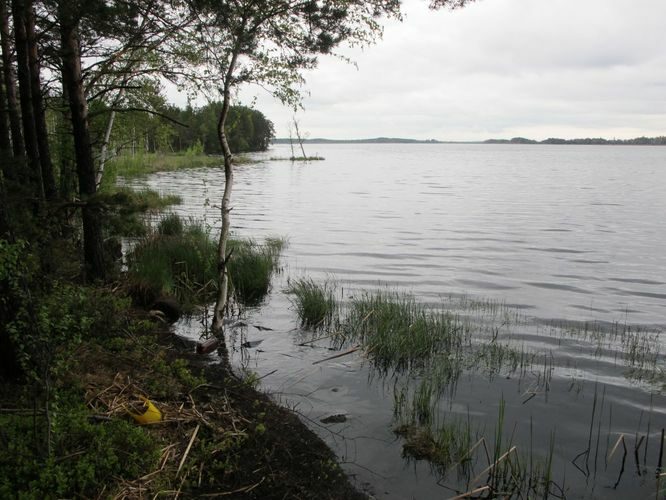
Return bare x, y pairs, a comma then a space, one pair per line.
556, 250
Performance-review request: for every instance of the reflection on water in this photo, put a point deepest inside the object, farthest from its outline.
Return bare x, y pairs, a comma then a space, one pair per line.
569, 235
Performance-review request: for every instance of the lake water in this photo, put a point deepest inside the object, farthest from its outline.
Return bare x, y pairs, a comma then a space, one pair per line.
563, 235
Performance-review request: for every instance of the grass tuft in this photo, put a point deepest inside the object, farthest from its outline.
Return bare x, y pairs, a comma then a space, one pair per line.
182, 264
180, 259
251, 268
315, 304
398, 331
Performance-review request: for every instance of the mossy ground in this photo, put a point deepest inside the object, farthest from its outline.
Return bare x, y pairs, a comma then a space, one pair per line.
245, 446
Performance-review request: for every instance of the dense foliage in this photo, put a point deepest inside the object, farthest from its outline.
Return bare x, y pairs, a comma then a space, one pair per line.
247, 129
178, 130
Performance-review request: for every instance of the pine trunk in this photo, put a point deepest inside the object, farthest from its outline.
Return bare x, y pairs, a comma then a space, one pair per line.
85, 167
10, 83
38, 106
25, 94
5, 142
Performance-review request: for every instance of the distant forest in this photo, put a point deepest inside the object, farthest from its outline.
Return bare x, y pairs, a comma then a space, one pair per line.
638, 141
174, 129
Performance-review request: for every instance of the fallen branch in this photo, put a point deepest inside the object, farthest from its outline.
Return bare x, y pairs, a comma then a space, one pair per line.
353, 349
471, 493
187, 450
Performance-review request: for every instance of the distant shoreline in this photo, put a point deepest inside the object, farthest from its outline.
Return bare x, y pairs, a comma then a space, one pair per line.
638, 141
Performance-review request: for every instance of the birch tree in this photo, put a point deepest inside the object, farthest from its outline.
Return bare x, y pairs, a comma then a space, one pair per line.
270, 43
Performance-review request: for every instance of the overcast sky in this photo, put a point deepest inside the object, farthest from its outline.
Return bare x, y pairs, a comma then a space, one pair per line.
497, 68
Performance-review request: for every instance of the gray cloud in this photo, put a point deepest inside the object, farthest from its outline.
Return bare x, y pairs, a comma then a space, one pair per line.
536, 68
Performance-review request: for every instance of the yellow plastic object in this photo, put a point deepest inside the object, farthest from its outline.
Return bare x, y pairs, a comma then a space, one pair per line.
150, 416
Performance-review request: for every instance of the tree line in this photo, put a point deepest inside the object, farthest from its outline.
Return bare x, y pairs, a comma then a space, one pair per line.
247, 129
599, 141
178, 129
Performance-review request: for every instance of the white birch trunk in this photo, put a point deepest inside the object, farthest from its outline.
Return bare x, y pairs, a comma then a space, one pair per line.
105, 147
222, 254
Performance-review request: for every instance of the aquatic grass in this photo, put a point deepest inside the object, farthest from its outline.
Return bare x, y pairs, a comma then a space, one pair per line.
123, 209
251, 268
130, 166
315, 303
275, 245
170, 225
297, 158
496, 356
181, 264
637, 347
398, 332
180, 259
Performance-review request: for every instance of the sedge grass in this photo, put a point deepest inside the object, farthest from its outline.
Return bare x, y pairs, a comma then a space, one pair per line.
147, 163
251, 268
181, 264
399, 332
315, 304
180, 259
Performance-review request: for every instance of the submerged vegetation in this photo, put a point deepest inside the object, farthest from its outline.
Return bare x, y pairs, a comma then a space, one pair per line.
423, 351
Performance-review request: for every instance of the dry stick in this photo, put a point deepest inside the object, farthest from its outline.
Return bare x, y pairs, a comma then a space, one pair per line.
624, 459
638, 462
495, 464
315, 340
617, 443
264, 376
589, 438
244, 489
647, 439
469, 453
471, 493
661, 451
187, 450
353, 349
601, 414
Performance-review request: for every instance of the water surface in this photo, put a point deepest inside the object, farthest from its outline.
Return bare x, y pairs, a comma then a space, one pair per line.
566, 235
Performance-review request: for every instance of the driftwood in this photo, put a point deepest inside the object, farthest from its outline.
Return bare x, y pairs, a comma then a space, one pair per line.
208, 346
353, 349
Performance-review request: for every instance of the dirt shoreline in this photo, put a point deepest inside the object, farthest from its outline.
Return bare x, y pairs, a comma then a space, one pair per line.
245, 445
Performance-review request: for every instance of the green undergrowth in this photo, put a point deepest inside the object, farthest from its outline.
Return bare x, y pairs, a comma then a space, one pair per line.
50, 446
84, 455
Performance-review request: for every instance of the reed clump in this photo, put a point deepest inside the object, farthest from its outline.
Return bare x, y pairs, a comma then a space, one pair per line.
178, 259
129, 166
315, 303
399, 332
252, 266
